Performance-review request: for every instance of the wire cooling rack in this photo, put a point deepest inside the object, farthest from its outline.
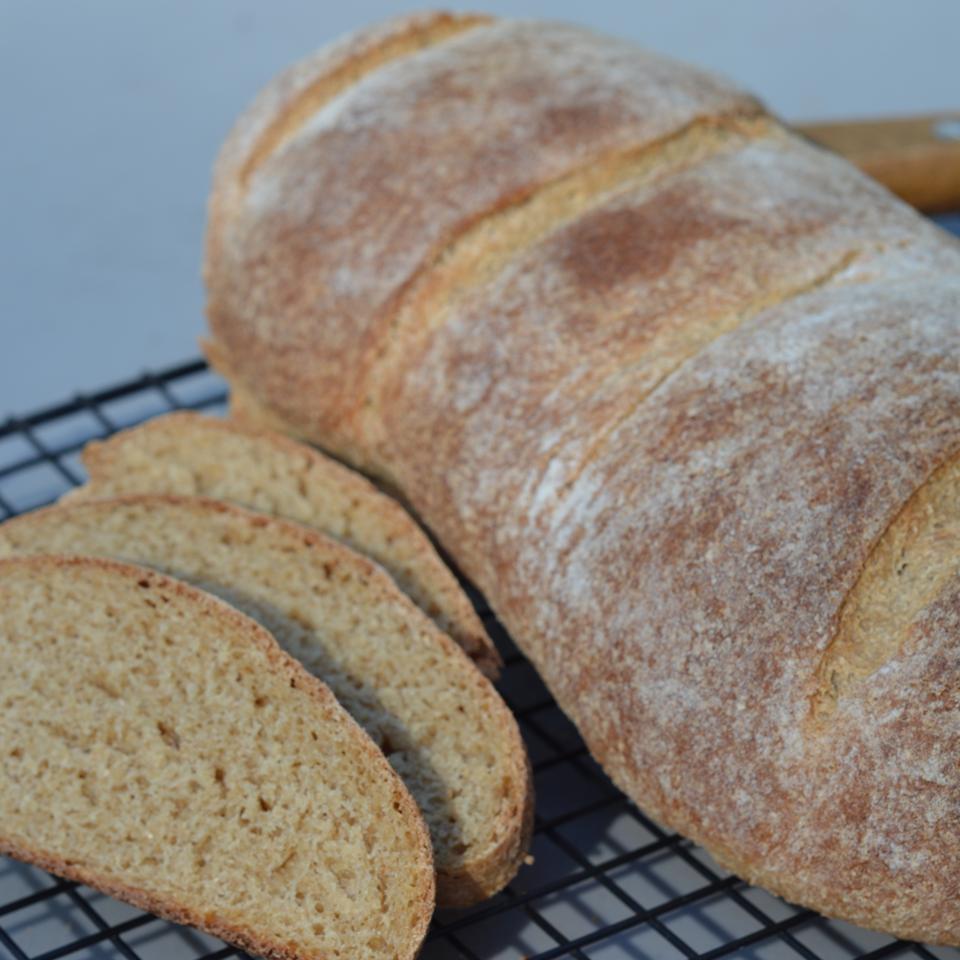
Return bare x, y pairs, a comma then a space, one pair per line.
606, 882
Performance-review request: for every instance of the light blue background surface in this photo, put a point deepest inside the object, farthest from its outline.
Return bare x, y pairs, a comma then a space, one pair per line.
111, 112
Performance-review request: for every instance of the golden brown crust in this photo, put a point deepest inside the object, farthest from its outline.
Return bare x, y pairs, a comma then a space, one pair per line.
663, 437
245, 410
728, 520
306, 87
418, 568
278, 115
491, 115
179, 912
642, 282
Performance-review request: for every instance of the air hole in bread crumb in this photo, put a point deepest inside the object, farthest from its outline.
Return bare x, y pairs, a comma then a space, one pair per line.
265, 806
260, 701
168, 735
145, 583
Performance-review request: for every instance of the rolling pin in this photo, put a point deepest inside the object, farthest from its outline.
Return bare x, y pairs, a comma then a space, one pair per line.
917, 158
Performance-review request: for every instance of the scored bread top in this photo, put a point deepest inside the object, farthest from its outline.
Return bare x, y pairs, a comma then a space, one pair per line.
409, 158
644, 278
441, 724
681, 399
711, 548
292, 99
187, 453
159, 746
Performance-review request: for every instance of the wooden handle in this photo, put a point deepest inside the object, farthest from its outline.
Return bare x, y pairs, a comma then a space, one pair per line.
918, 158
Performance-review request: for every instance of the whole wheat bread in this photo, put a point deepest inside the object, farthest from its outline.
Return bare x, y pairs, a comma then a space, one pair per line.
159, 746
677, 390
441, 724
188, 453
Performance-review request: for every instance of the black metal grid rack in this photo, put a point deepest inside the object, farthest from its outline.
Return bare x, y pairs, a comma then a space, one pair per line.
606, 882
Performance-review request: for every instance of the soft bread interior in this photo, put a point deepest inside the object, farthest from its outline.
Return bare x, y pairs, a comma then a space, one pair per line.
186, 453
440, 723
160, 746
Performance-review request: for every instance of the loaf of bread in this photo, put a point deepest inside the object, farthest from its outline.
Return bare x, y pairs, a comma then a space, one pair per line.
680, 393
159, 746
191, 454
443, 727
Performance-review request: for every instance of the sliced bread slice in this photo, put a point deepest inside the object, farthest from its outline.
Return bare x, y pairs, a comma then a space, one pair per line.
189, 453
159, 746
442, 725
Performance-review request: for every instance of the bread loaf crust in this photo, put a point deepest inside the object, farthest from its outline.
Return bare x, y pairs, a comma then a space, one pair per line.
490, 115
664, 436
709, 551
650, 276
